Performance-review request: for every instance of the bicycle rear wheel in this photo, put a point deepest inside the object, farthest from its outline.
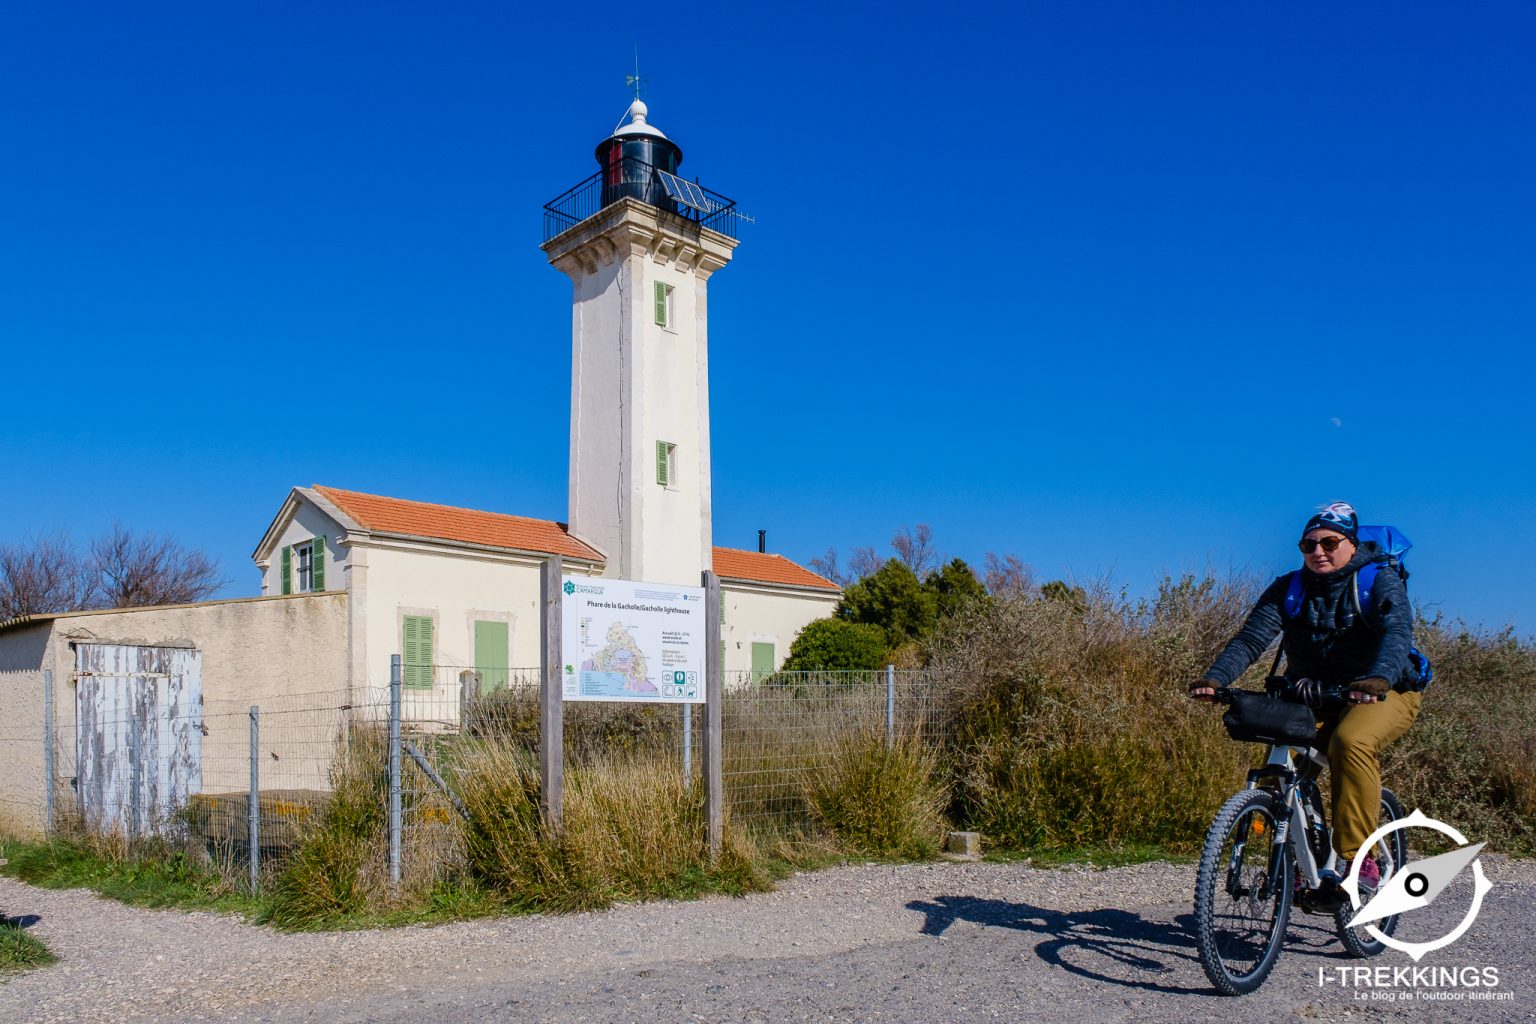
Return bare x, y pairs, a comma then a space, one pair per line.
1390, 855
1242, 893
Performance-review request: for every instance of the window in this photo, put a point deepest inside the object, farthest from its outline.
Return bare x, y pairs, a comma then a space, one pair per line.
301, 556
666, 463
663, 295
303, 567
416, 652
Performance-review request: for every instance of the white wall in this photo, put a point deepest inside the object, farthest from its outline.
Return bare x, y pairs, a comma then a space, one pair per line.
764, 615
635, 383
307, 523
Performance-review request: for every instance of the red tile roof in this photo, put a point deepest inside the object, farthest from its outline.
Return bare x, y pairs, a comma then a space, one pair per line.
731, 563
468, 526
498, 530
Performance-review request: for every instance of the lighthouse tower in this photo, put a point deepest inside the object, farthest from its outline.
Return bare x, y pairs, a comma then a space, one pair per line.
639, 244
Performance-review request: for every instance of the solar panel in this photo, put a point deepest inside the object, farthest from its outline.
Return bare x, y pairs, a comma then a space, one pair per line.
687, 193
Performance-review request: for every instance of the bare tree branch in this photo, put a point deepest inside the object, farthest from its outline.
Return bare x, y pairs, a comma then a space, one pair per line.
914, 546
1007, 576
131, 571
43, 574
827, 566
862, 562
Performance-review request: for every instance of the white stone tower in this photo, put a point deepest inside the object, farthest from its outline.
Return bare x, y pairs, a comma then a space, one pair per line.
639, 245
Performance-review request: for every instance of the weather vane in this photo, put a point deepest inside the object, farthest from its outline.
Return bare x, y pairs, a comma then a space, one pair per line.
635, 81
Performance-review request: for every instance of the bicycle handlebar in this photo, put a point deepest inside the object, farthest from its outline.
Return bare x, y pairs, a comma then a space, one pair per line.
1336, 696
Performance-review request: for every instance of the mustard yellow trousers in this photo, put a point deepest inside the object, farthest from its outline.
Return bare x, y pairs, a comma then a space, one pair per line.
1354, 741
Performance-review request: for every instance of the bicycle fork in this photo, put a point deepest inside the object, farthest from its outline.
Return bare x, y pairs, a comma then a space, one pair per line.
1274, 868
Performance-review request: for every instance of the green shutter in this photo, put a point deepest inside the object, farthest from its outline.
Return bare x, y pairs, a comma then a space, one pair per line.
416, 652
661, 462
762, 661
661, 304
491, 655
287, 570
317, 565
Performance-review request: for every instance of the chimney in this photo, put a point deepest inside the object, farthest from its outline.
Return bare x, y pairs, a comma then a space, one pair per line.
762, 541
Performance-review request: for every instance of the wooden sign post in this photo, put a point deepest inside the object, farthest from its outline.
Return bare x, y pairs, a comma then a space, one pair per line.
551, 697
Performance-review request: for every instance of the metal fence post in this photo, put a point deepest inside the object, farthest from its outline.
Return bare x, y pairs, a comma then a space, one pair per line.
395, 813
687, 742
253, 802
714, 760
136, 766
551, 696
50, 779
890, 706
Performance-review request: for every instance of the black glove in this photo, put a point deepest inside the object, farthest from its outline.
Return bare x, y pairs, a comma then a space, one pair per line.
1308, 691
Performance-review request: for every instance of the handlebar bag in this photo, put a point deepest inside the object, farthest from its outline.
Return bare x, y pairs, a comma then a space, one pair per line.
1260, 718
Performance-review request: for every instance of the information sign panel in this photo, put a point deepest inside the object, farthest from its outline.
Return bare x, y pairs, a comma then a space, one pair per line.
629, 641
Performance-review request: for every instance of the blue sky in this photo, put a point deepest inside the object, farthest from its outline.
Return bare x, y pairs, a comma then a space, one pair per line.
1118, 288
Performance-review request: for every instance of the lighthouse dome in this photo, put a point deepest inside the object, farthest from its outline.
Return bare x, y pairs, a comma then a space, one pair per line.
634, 122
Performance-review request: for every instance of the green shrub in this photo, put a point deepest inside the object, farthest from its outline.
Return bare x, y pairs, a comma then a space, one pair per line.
837, 645
20, 951
879, 799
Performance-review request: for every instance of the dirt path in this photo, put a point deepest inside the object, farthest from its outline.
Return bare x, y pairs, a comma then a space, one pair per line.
943, 942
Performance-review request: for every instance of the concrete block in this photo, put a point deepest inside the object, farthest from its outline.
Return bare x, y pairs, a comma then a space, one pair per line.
963, 845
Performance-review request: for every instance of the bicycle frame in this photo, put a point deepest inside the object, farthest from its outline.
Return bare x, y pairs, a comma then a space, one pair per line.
1281, 763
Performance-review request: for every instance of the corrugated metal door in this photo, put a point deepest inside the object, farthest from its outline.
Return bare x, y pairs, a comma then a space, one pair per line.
138, 712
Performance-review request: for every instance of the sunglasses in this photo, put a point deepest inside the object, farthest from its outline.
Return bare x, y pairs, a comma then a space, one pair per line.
1328, 544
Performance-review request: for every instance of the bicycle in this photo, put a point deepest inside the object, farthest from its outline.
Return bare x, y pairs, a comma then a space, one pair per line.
1270, 846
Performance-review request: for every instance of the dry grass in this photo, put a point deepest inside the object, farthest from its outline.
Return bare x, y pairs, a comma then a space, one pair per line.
632, 828
880, 798
341, 866
1470, 759
1052, 723
1073, 728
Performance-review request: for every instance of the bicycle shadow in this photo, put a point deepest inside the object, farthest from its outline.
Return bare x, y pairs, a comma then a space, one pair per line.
1150, 947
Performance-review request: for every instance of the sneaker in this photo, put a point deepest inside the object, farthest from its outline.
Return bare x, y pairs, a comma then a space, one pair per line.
1370, 873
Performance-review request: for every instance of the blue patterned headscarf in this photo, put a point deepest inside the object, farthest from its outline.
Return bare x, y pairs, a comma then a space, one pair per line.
1339, 517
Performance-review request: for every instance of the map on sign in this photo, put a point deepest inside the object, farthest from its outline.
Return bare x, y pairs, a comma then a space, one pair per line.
628, 641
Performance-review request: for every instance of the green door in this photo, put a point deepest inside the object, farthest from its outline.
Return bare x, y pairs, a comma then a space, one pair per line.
491, 655
762, 661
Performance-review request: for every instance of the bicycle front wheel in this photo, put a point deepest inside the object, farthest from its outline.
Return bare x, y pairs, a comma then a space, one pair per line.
1242, 893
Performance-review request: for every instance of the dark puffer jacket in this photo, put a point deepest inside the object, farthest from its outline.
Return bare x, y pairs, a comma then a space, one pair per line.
1327, 640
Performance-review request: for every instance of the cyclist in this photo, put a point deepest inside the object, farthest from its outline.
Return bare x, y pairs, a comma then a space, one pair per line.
1327, 644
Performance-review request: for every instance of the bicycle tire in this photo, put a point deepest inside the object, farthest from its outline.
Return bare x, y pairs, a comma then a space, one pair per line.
1391, 855
1241, 907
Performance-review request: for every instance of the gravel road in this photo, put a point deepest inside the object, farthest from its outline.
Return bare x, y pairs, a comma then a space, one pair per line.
935, 942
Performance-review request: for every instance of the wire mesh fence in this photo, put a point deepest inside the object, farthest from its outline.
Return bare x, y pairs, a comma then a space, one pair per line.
241, 784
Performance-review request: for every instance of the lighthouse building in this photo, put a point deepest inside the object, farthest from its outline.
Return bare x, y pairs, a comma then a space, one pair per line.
453, 589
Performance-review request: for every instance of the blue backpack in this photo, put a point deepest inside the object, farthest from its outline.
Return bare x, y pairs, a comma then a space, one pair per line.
1419, 673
